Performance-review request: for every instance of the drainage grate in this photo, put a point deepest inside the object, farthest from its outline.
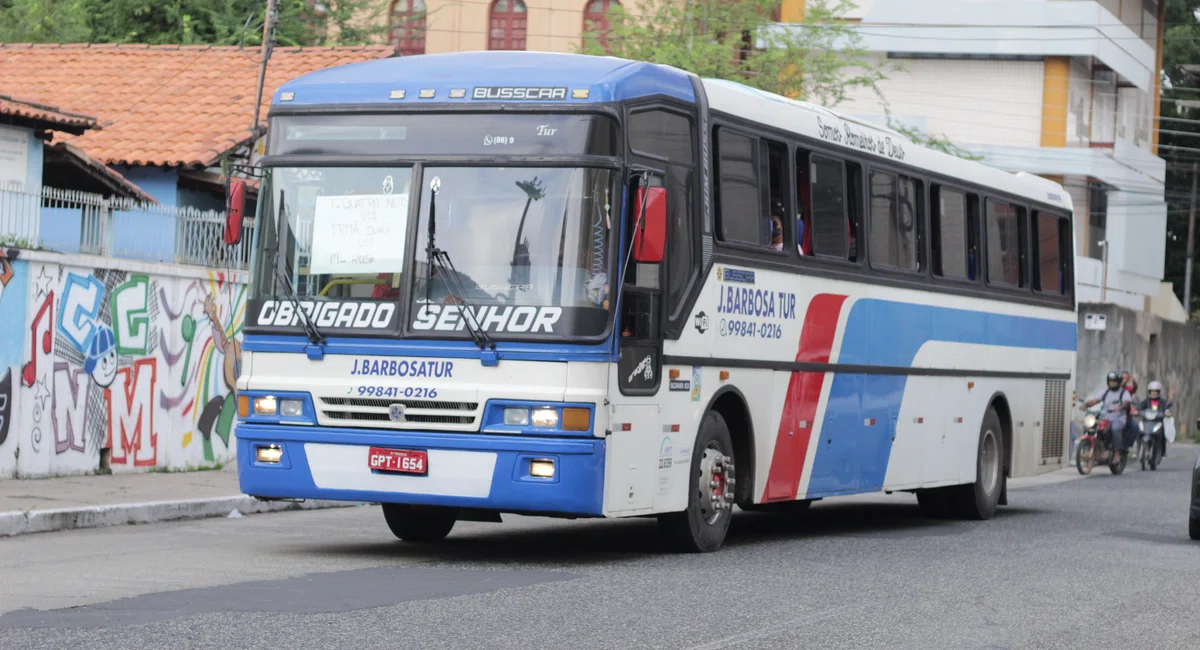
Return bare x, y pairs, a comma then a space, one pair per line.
1054, 420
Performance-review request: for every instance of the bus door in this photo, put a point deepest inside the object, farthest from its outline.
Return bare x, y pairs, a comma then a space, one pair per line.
636, 433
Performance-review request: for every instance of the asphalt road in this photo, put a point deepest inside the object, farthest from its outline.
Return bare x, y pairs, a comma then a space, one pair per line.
1099, 562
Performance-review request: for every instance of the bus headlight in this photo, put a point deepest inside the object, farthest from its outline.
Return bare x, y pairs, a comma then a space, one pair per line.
516, 416
291, 408
545, 417
265, 405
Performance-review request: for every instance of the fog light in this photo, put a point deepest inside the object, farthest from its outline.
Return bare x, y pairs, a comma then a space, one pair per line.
545, 418
517, 417
272, 454
541, 468
264, 405
291, 408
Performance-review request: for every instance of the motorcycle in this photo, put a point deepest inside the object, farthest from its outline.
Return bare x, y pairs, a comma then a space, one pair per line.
1097, 443
1152, 439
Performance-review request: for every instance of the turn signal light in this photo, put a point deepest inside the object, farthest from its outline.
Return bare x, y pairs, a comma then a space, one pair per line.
243, 403
575, 419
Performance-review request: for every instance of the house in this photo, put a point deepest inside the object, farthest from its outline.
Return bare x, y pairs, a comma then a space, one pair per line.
164, 116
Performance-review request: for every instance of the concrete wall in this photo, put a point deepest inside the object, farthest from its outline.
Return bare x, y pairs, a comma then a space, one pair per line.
129, 362
1149, 347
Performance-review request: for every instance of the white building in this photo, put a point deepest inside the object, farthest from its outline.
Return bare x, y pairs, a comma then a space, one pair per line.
1067, 89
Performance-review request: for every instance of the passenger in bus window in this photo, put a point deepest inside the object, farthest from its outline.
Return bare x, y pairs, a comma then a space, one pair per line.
777, 217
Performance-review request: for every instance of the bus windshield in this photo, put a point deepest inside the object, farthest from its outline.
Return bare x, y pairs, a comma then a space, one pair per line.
530, 250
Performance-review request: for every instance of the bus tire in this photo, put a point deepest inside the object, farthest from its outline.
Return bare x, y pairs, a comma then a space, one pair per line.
978, 500
419, 523
702, 527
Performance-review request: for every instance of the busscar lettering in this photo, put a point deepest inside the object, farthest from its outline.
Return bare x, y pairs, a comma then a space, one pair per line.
517, 320
331, 313
520, 93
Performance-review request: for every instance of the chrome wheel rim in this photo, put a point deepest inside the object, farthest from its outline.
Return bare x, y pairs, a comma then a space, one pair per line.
716, 484
990, 465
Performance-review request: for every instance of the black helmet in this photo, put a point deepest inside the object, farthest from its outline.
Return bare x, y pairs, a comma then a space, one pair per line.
777, 207
1114, 376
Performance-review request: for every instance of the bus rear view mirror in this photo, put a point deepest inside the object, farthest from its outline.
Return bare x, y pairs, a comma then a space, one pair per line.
650, 238
235, 206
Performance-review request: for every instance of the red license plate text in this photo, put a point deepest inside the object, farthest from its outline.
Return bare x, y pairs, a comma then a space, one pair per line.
402, 461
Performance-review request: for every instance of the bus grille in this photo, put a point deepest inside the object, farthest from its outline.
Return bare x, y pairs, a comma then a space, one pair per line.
1053, 416
374, 411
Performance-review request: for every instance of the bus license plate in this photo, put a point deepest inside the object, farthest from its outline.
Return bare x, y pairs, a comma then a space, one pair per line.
401, 461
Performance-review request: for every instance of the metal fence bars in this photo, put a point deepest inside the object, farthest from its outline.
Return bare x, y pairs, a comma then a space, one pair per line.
69, 221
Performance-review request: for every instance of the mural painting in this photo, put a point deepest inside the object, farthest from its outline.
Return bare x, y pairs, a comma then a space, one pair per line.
136, 364
13, 283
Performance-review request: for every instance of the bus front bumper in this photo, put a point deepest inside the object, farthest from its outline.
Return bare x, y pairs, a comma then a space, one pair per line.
467, 470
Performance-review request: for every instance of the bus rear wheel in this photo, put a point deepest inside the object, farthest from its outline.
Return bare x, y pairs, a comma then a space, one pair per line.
979, 500
419, 523
702, 527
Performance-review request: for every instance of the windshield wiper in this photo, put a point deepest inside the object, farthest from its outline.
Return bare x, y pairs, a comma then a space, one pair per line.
441, 259
310, 328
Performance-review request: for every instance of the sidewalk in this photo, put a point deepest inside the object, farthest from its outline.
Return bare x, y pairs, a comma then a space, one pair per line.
43, 505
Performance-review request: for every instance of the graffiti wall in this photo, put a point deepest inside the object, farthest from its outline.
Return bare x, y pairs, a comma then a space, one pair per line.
126, 365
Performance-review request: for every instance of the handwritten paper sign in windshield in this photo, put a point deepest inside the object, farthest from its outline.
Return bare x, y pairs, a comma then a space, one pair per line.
359, 234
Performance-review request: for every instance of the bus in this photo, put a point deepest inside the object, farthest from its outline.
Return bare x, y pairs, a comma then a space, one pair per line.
572, 286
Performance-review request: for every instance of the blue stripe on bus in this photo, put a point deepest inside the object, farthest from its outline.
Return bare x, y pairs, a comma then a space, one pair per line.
852, 457
510, 351
371, 82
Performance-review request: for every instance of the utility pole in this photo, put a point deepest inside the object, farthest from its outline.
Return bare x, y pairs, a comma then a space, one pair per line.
1191, 243
264, 56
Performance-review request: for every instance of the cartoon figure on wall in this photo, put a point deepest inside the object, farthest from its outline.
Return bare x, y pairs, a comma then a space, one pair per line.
218, 414
101, 361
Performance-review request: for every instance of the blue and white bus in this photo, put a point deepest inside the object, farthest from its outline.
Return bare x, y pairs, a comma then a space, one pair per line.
546, 284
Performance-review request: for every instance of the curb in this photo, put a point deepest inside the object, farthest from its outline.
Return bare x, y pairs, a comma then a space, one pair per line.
43, 521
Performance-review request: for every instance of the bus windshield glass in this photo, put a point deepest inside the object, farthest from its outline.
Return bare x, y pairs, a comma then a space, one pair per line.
528, 251
334, 232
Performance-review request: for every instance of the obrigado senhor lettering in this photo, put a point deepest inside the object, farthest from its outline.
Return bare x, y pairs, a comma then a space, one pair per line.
882, 145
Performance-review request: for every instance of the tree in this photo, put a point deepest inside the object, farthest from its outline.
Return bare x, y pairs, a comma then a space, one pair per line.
820, 60
41, 21
190, 22
1181, 45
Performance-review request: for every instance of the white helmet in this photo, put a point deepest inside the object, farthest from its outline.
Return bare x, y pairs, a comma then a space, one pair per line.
1154, 386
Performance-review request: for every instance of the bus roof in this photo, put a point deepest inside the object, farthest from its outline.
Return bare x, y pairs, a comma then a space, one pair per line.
372, 82
548, 77
822, 123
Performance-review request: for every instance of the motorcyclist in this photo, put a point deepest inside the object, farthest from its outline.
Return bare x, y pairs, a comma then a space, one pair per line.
1155, 399
1116, 401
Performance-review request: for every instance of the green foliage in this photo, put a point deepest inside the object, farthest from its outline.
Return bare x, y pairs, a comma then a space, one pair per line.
190, 22
42, 21
1181, 46
935, 142
820, 60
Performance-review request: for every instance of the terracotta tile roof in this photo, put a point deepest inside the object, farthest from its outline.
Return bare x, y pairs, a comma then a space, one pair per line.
167, 105
46, 116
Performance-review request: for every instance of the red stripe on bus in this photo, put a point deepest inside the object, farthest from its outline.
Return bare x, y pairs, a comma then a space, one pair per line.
803, 395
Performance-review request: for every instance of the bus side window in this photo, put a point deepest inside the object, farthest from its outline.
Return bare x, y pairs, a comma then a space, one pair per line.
803, 205
954, 233
833, 209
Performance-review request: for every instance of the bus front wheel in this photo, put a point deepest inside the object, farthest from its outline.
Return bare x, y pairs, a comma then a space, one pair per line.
419, 523
702, 527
